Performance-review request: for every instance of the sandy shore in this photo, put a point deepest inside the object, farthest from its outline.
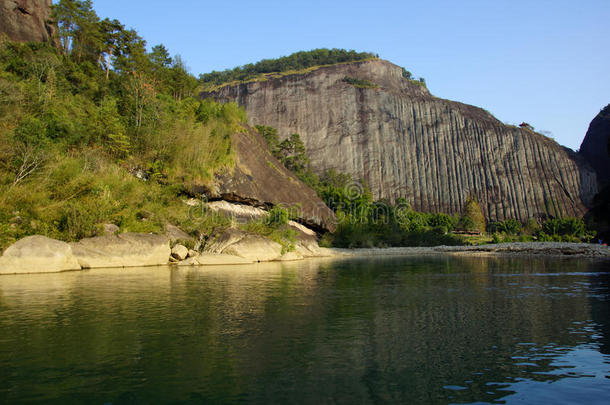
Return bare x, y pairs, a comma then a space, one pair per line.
556, 249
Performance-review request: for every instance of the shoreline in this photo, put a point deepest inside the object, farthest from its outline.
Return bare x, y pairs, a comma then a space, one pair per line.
537, 249
558, 250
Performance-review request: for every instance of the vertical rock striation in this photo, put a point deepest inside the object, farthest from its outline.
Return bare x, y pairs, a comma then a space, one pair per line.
27, 21
406, 143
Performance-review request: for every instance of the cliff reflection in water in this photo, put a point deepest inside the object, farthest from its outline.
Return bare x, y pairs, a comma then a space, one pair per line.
435, 329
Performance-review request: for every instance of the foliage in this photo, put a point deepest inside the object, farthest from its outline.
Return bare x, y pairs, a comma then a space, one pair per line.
509, 226
295, 61
472, 218
360, 83
276, 217
76, 122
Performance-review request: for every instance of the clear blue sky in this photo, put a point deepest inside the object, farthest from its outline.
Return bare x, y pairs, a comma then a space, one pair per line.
545, 62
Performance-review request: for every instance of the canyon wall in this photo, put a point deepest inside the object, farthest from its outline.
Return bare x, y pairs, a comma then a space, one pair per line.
404, 142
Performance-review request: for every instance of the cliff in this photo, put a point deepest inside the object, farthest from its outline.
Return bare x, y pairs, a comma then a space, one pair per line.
27, 21
406, 143
595, 148
259, 179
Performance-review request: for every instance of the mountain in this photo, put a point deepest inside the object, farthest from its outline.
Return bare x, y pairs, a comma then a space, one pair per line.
596, 146
596, 149
27, 21
367, 119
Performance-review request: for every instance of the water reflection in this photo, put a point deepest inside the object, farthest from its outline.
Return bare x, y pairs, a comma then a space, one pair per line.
384, 330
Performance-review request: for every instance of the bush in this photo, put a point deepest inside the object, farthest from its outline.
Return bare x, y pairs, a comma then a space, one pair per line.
276, 217
472, 218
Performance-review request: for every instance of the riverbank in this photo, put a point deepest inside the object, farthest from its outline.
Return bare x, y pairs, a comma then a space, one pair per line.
37, 254
552, 249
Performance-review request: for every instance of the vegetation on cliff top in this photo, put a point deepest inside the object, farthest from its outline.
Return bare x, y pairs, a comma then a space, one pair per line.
295, 62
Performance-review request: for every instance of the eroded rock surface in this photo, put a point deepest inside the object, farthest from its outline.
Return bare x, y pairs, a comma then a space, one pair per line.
38, 254
260, 180
27, 21
406, 143
123, 250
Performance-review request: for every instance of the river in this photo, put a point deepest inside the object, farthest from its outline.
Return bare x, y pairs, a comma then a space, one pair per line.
435, 329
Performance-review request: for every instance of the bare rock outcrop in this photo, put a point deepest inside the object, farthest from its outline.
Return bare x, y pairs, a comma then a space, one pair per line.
28, 21
595, 148
258, 179
406, 143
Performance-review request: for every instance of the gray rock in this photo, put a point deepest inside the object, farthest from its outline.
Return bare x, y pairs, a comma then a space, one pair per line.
175, 234
111, 229
407, 143
256, 248
38, 254
180, 252
193, 253
208, 259
123, 250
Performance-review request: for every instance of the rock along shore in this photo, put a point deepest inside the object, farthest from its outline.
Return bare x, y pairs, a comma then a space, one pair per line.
552, 249
38, 254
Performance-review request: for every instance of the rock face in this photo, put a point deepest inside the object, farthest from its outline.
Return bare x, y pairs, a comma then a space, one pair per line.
595, 148
38, 254
406, 143
123, 250
27, 21
259, 179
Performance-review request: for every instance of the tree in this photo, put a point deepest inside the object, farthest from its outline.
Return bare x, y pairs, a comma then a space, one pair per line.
291, 152
270, 136
111, 33
159, 56
472, 218
79, 28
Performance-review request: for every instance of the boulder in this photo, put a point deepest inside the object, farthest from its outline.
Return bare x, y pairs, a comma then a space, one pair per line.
38, 254
256, 248
123, 250
239, 243
175, 234
193, 253
111, 229
214, 259
224, 240
180, 252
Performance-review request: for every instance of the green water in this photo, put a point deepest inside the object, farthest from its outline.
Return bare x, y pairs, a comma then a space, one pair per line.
387, 330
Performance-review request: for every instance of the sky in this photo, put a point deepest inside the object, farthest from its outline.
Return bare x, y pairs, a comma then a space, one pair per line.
543, 62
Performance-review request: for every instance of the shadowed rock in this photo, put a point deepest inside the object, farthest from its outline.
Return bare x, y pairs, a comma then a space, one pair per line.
595, 148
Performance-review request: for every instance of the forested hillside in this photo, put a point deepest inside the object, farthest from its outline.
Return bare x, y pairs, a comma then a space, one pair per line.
79, 123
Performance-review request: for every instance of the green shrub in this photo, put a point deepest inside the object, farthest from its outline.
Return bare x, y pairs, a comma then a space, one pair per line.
360, 83
276, 217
